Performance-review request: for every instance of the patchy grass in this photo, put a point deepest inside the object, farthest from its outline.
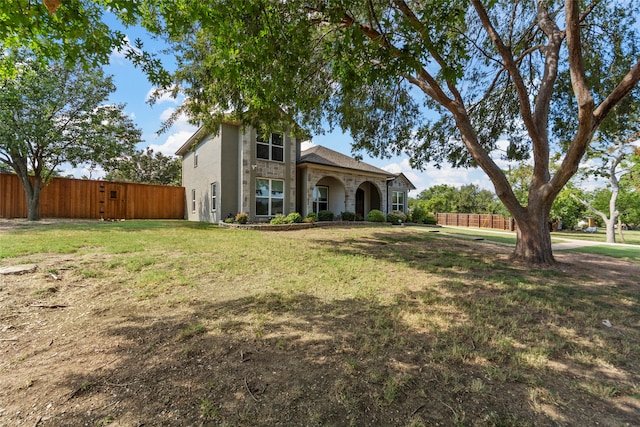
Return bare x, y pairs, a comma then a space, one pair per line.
181, 323
631, 237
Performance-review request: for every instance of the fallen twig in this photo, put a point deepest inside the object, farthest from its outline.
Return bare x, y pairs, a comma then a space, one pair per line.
8, 339
249, 390
48, 306
416, 411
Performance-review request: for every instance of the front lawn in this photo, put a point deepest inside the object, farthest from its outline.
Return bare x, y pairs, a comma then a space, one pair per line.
176, 323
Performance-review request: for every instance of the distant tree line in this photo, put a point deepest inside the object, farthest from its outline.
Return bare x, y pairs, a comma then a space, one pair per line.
446, 198
567, 209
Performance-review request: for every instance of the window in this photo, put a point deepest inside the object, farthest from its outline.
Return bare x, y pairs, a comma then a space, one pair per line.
397, 201
269, 197
195, 158
320, 198
271, 148
193, 201
113, 194
213, 197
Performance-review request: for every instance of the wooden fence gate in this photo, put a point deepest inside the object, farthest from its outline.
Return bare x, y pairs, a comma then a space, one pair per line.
81, 198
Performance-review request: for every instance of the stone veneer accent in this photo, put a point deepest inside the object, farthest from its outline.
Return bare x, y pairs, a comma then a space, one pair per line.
351, 183
253, 168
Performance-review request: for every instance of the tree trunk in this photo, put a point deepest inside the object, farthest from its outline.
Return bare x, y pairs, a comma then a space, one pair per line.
533, 245
620, 230
32, 189
610, 227
33, 205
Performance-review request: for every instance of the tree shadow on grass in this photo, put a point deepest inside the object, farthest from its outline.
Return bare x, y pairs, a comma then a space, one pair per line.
293, 359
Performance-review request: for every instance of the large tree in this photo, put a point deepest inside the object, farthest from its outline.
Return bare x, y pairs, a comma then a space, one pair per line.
146, 166
488, 69
52, 114
613, 163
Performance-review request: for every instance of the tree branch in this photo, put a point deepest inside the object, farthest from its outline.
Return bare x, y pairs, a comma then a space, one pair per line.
511, 67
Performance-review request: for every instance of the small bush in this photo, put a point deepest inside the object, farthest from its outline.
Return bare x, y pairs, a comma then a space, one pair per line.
396, 217
325, 216
294, 217
429, 219
279, 219
228, 220
375, 216
348, 216
359, 217
311, 217
242, 218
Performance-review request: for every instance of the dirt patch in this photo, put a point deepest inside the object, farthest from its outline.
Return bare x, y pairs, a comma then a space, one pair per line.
78, 350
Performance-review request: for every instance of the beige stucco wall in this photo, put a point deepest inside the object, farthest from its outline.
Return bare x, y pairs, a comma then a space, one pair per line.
199, 178
217, 163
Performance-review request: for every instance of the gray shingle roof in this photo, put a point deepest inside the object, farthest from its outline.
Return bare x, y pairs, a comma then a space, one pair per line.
320, 155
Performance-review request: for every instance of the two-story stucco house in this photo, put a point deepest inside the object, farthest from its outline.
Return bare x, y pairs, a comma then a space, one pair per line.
238, 170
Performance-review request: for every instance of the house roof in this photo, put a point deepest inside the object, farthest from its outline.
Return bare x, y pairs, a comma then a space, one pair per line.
320, 155
193, 140
404, 177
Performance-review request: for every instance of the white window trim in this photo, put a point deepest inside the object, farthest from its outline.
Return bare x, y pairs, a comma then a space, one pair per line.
214, 196
270, 146
193, 200
270, 196
315, 202
394, 206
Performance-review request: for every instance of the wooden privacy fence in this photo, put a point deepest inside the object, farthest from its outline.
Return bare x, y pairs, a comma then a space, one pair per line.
81, 198
476, 220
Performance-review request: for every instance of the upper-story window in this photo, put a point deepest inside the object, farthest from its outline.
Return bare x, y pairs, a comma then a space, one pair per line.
271, 148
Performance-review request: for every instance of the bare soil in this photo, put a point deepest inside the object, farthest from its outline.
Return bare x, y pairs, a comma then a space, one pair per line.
82, 352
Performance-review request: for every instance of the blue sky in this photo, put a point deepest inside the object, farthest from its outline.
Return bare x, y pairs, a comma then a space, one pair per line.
133, 89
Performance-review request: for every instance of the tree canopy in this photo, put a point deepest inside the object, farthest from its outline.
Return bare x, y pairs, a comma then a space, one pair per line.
145, 166
52, 114
467, 199
73, 32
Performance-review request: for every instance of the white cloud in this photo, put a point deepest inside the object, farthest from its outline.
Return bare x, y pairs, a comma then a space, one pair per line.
173, 142
119, 56
167, 113
433, 176
82, 171
305, 145
177, 135
161, 96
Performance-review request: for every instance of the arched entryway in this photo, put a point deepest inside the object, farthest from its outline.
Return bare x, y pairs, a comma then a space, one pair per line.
367, 198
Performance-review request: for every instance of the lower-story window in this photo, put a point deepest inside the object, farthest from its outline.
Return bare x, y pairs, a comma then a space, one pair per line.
397, 201
193, 201
269, 197
320, 198
214, 197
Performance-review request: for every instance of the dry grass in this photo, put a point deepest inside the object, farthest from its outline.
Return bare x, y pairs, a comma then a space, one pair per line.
169, 323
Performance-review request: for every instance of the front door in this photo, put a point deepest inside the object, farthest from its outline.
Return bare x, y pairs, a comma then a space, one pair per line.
114, 201
359, 203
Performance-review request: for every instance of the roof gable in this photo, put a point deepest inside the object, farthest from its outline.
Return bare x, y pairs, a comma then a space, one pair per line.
404, 178
324, 156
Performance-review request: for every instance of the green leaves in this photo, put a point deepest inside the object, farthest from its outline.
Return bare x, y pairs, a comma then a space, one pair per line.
51, 114
146, 167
